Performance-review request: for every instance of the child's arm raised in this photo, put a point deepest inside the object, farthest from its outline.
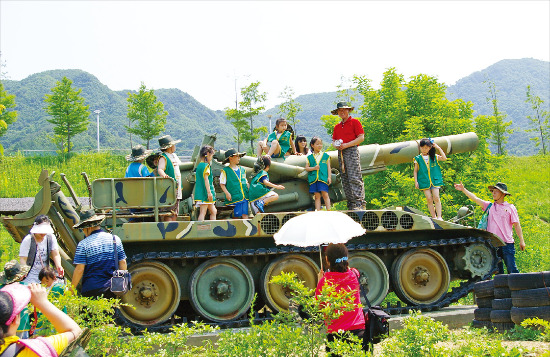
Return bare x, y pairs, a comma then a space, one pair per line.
441, 156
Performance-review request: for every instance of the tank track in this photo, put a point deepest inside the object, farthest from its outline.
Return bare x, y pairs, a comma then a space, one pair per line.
452, 296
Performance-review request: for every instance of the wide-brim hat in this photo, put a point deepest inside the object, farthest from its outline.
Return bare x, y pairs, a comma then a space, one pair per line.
138, 153
20, 295
13, 271
501, 187
166, 141
342, 105
232, 152
42, 228
89, 219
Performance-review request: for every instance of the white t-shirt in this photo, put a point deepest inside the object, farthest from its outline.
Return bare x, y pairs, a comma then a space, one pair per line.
426, 158
176, 163
41, 259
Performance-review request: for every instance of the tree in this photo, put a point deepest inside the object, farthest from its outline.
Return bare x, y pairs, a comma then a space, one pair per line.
250, 107
500, 127
7, 116
539, 121
289, 109
236, 117
70, 115
147, 112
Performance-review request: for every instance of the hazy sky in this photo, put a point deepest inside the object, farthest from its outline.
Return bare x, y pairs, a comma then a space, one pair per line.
201, 47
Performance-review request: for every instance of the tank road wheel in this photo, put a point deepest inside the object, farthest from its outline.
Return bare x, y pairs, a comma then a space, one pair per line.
374, 276
155, 294
221, 289
479, 259
420, 276
277, 297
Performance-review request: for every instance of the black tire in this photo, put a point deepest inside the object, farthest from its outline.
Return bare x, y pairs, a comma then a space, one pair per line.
484, 289
502, 304
503, 326
501, 280
481, 324
502, 293
483, 314
518, 314
500, 316
485, 302
529, 280
531, 297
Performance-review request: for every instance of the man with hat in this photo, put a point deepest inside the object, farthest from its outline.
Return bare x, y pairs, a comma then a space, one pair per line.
502, 217
136, 158
94, 257
347, 135
169, 166
234, 184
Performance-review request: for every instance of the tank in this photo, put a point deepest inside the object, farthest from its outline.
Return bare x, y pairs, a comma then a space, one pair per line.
210, 270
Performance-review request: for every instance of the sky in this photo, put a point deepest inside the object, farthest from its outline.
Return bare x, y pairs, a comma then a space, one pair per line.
206, 48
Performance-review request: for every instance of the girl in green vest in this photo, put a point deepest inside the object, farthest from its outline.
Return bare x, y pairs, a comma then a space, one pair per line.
427, 174
278, 143
205, 196
318, 166
233, 183
261, 193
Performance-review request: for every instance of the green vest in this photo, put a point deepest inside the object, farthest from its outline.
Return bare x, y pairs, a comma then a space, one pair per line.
322, 173
284, 141
236, 185
257, 189
169, 169
428, 175
200, 190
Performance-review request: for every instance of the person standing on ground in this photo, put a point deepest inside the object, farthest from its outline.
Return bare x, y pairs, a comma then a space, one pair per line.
347, 135
502, 217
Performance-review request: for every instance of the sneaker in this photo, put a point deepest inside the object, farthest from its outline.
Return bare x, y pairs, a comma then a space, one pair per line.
259, 205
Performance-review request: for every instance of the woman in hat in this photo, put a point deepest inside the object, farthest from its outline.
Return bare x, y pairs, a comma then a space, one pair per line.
13, 299
38, 247
503, 216
234, 184
136, 158
169, 166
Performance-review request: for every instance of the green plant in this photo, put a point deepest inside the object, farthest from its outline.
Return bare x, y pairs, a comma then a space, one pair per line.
540, 325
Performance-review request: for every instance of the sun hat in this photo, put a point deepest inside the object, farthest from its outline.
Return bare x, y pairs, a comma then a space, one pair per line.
89, 219
501, 187
166, 141
232, 152
13, 271
42, 228
341, 105
20, 295
138, 153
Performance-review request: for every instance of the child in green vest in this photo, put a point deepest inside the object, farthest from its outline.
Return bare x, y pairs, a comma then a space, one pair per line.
278, 143
234, 185
261, 192
205, 196
169, 166
427, 174
318, 165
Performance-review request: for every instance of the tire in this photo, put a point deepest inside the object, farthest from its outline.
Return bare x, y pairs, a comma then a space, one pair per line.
502, 293
484, 289
501, 280
483, 314
500, 316
503, 326
502, 304
529, 280
482, 324
531, 297
485, 302
518, 314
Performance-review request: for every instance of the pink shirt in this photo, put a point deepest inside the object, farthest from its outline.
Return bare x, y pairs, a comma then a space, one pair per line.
501, 218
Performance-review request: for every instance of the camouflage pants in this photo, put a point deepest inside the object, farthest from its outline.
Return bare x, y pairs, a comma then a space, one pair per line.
354, 188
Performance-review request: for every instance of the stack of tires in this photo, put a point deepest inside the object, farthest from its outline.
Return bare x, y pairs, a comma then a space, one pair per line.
530, 294
502, 304
484, 292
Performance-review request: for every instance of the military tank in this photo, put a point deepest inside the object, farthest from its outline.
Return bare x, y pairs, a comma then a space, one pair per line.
186, 269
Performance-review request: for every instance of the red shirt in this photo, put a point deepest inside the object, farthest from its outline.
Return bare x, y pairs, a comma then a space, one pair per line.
348, 130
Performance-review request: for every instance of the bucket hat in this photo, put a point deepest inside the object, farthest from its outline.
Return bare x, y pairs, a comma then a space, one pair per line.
501, 187
13, 271
232, 152
42, 228
138, 153
341, 105
20, 295
166, 141
89, 219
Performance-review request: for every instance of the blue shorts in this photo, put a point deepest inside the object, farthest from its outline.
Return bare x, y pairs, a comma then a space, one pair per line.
240, 209
318, 187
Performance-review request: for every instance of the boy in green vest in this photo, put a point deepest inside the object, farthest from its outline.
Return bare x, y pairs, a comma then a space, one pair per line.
261, 190
234, 185
169, 166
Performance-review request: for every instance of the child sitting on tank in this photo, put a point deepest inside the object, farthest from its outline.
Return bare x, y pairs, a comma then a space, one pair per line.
234, 184
205, 195
278, 143
261, 190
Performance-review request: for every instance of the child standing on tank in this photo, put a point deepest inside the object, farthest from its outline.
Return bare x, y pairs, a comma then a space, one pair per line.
169, 166
261, 190
234, 184
319, 177
136, 158
278, 143
205, 196
427, 174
